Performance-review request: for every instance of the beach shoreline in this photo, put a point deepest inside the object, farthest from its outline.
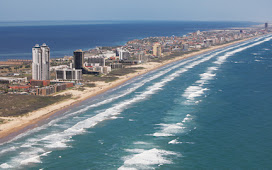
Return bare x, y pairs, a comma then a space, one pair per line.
17, 125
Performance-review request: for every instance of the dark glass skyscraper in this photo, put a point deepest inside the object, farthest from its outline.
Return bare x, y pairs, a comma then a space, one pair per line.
78, 59
266, 26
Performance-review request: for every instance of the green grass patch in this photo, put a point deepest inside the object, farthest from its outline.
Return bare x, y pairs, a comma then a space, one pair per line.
89, 85
81, 88
94, 78
124, 71
112, 76
18, 105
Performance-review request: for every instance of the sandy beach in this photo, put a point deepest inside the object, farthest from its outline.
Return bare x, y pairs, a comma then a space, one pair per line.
13, 125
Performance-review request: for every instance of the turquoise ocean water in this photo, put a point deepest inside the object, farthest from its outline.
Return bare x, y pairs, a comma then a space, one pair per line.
211, 111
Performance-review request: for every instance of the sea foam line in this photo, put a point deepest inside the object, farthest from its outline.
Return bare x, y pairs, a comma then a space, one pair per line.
197, 89
191, 93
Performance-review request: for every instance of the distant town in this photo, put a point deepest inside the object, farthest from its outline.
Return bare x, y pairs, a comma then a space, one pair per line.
43, 76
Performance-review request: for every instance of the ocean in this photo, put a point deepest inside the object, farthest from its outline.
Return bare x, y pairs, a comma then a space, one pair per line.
18, 38
211, 111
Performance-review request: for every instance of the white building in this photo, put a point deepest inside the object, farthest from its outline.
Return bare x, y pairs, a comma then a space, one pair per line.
40, 63
53, 68
94, 61
123, 53
100, 69
68, 74
198, 33
109, 54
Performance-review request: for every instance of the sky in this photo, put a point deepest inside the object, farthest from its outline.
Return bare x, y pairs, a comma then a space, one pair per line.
184, 10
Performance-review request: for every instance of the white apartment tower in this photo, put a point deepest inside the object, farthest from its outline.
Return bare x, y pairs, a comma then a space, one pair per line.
40, 62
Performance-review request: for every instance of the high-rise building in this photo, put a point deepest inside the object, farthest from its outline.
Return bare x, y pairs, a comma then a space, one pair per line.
40, 62
78, 59
157, 49
266, 26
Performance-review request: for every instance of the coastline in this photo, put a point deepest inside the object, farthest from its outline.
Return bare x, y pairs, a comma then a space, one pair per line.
15, 125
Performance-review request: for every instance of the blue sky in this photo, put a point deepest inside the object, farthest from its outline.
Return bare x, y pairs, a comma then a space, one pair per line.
199, 10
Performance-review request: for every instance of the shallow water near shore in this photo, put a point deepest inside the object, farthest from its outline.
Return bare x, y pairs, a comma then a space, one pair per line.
211, 111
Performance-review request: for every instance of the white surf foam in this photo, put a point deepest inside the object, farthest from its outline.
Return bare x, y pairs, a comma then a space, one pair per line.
5, 166
32, 156
148, 158
3, 151
197, 89
160, 134
116, 117
172, 129
135, 150
187, 118
35, 159
194, 91
141, 143
175, 141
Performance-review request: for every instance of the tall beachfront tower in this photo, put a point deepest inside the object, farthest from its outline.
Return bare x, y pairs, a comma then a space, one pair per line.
266, 26
78, 59
40, 62
157, 49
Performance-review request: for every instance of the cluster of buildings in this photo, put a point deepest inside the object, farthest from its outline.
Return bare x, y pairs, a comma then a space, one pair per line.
154, 47
102, 60
40, 83
147, 49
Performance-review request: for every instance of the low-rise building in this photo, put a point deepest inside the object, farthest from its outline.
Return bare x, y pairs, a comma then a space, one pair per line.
94, 61
12, 80
44, 91
100, 69
68, 74
40, 83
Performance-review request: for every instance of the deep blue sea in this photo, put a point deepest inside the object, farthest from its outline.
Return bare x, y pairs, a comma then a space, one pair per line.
18, 38
211, 111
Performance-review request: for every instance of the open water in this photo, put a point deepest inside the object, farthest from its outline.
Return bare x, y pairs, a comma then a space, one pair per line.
17, 39
211, 111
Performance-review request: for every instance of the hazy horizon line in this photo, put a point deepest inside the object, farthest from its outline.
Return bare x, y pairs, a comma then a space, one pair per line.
127, 20
97, 22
